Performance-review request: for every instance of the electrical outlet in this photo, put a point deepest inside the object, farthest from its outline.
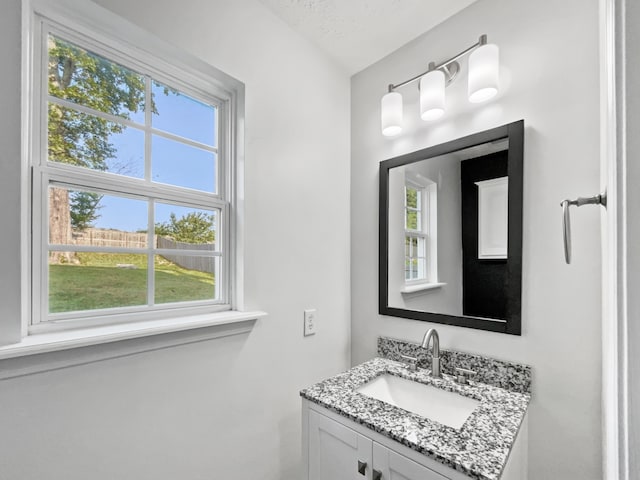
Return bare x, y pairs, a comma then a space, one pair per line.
309, 322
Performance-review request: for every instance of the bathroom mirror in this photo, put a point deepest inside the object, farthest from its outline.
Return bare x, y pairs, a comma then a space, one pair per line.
451, 232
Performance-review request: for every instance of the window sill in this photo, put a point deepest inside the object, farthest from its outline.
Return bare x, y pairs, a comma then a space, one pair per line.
420, 287
72, 339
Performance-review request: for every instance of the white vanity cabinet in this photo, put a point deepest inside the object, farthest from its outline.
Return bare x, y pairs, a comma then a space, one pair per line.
335, 448
393, 466
337, 452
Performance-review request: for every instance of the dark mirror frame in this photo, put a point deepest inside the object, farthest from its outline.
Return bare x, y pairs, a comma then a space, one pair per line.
515, 133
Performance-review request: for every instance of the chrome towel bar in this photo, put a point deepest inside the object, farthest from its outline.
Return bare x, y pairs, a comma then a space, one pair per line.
566, 218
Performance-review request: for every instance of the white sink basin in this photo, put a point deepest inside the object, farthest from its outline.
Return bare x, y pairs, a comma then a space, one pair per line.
445, 407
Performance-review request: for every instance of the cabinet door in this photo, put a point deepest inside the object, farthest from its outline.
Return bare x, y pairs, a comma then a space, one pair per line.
394, 466
335, 450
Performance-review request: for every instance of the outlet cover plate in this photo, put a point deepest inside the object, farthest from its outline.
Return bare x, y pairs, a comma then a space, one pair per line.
310, 322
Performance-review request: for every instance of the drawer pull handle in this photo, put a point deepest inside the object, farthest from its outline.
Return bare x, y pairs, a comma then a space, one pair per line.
377, 475
362, 467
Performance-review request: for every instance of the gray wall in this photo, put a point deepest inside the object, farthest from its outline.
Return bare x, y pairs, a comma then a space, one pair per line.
631, 177
549, 56
10, 245
225, 408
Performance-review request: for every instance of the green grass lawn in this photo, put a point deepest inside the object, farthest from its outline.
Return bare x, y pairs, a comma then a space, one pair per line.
96, 282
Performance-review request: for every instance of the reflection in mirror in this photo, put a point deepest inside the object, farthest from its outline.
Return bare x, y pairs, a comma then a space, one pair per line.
428, 201
452, 232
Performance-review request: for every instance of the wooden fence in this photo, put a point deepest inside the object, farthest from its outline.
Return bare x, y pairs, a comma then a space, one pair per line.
98, 237
201, 264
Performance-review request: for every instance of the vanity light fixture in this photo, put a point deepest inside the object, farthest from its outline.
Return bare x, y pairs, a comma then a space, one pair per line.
432, 94
483, 85
484, 65
391, 107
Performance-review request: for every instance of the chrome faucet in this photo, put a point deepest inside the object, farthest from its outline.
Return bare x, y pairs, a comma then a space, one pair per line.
435, 356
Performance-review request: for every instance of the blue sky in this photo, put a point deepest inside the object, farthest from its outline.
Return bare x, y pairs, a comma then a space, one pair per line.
172, 162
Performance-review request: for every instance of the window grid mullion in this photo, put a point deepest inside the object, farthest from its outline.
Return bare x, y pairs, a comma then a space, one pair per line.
147, 130
151, 281
130, 123
132, 187
136, 251
40, 299
71, 319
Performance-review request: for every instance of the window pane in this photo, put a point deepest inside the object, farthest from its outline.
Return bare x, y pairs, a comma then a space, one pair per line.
82, 77
89, 281
412, 220
186, 227
411, 197
421, 268
183, 278
83, 140
182, 115
179, 164
82, 217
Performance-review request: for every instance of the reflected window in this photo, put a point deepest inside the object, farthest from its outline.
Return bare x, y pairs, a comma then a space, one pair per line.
420, 230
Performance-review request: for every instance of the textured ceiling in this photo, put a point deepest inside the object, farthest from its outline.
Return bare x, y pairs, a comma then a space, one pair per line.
358, 33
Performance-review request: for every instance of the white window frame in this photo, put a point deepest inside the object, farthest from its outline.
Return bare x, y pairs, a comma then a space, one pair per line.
94, 28
427, 231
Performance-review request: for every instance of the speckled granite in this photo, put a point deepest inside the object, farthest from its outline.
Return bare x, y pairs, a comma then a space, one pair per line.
510, 376
479, 449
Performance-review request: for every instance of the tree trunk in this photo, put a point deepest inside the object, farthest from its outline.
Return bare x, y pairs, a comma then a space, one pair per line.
59, 223
59, 207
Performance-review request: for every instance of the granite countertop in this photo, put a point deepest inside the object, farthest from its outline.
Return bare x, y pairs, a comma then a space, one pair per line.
479, 449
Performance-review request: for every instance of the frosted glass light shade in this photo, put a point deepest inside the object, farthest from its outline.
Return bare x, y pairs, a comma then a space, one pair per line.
432, 95
484, 66
391, 114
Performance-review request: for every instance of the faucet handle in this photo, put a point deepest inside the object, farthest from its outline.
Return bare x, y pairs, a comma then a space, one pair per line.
412, 362
463, 375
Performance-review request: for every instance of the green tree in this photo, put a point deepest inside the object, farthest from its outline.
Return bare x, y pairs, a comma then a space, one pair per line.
84, 208
79, 139
412, 202
194, 227
87, 79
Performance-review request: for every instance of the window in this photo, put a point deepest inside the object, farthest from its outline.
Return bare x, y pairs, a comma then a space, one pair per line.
132, 182
420, 230
415, 238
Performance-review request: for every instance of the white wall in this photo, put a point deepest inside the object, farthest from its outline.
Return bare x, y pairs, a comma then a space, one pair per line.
445, 172
549, 53
225, 408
